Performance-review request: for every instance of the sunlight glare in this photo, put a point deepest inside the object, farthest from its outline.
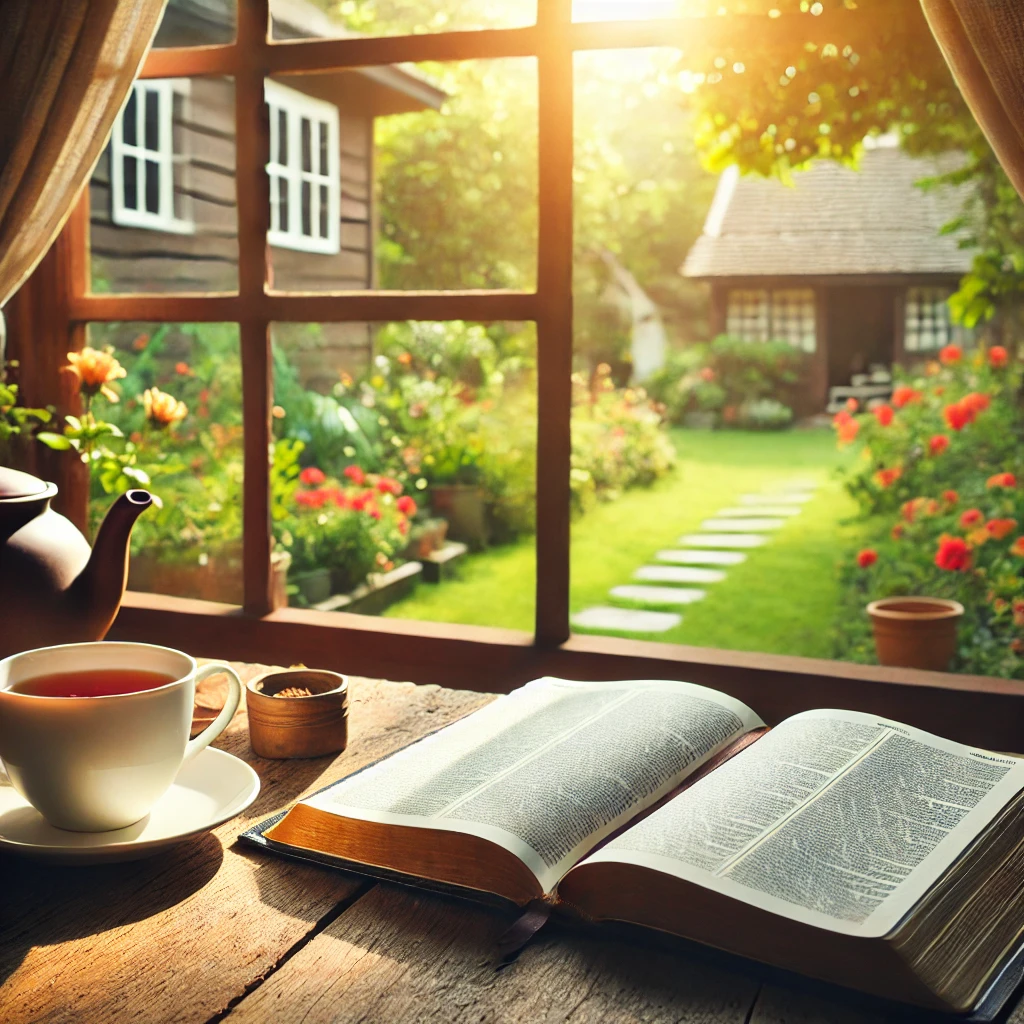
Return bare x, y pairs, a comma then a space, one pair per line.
623, 10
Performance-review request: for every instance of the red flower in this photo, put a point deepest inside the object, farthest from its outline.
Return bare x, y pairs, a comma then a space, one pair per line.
388, 485
937, 444
312, 477
897, 531
998, 357
707, 374
355, 474
852, 405
971, 517
867, 557
848, 431
957, 416
374, 513
976, 401
887, 477
403, 527
905, 396
932, 507
1007, 480
950, 497
1017, 547
953, 555
950, 355
336, 496
909, 509
884, 415
311, 499
182, 369
1000, 528
406, 505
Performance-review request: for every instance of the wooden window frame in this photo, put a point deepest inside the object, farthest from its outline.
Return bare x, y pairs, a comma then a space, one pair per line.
163, 156
296, 106
50, 315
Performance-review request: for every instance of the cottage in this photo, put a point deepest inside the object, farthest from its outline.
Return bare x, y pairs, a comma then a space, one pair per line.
163, 213
848, 265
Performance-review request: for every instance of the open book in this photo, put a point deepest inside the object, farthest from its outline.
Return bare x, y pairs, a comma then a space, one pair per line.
840, 845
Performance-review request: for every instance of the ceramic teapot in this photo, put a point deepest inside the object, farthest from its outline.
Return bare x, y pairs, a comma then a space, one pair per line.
53, 590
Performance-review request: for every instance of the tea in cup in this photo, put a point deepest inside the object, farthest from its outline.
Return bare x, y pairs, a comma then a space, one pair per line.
92, 735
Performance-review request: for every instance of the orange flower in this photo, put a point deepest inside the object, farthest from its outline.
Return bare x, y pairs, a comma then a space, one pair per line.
998, 357
909, 509
163, 409
867, 557
405, 358
848, 431
950, 497
932, 368
852, 405
937, 444
1000, 528
932, 507
884, 415
976, 401
978, 537
971, 517
897, 531
950, 355
953, 554
887, 477
1017, 547
96, 370
1007, 480
183, 369
904, 395
1017, 645
140, 343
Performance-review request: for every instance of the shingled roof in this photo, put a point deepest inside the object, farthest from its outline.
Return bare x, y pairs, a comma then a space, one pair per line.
833, 220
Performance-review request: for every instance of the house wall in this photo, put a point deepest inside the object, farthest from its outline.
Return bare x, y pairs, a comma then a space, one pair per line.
128, 259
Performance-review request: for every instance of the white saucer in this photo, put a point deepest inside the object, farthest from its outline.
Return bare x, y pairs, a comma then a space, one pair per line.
209, 790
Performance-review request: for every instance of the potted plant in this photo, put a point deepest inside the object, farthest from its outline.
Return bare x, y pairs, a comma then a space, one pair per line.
915, 632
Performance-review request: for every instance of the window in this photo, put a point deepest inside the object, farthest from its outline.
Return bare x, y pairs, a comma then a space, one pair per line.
146, 166
747, 315
793, 317
303, 170
786, 314
927, 326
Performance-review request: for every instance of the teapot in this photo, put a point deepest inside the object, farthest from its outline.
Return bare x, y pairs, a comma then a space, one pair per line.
55, 591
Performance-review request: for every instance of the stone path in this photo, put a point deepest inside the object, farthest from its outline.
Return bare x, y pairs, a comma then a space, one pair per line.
724, 541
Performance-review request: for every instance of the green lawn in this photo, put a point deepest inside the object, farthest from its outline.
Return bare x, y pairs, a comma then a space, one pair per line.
782, 599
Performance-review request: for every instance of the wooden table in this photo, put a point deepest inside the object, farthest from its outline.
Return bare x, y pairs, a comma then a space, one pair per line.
215, 931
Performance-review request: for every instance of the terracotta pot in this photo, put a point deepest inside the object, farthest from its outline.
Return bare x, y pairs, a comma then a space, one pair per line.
915, 632
465, 508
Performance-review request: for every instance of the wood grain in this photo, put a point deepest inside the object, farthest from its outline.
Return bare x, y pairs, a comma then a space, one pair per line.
399, 955
178, 937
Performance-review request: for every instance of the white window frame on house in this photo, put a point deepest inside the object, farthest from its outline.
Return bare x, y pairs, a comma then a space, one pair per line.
746, 314
164, 157
927, 325
793, 318
288, 175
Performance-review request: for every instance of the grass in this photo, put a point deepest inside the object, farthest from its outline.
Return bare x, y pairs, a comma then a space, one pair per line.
783, 599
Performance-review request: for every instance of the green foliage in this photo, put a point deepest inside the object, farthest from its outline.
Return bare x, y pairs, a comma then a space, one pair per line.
764, 414
16, 420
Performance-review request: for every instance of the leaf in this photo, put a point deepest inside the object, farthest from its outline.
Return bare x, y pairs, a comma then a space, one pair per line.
58, 442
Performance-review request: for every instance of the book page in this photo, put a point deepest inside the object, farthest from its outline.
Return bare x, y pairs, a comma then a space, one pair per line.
835, 818
551, 769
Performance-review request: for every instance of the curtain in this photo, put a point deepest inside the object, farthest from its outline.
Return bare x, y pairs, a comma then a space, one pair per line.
65, 69
983, 43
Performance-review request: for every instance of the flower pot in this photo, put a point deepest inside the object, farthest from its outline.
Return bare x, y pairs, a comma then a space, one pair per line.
465, 508
314, 585
915, 632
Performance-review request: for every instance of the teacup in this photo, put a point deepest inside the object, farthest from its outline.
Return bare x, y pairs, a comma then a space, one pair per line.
96, 763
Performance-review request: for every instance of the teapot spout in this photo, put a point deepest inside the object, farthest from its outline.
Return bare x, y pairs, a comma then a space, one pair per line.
96, 593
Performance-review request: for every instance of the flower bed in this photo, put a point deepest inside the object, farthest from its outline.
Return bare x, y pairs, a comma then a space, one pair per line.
939, 476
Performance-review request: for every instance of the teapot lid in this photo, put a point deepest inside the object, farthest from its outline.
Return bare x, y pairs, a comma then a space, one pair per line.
15, 484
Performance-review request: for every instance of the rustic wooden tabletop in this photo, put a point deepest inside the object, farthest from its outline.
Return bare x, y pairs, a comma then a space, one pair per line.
216, 931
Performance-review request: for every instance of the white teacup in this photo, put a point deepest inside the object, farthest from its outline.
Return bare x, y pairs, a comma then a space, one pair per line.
91, 764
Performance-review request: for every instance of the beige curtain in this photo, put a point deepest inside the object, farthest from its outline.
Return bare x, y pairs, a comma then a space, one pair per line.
983, 42
65, 69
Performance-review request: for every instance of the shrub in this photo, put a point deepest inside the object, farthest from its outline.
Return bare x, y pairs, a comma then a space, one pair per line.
765, 414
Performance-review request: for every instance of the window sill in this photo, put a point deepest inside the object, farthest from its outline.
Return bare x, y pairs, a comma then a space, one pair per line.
978, 710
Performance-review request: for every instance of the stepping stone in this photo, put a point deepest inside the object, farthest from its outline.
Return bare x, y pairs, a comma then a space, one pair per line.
723, 540
657, 595
742, 525
775, 499
799, 485
758, 510
625, 620
685, 557
678, 573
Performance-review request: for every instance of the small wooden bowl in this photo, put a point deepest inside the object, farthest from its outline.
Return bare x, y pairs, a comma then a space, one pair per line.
298, 726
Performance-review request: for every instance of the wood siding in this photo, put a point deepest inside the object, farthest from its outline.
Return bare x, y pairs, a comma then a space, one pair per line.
133, 259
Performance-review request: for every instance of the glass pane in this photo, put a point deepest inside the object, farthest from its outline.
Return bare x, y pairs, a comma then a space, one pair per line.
152, 135
282, 138
307, 212
323, 147
196, 23
200, 251
180, 414
152, 187
131, 188
129, 122
396, 17
324, 212
453, 200
404, 469
307, 153
282, 203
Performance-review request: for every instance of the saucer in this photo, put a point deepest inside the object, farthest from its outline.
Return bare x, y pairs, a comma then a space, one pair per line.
209, 790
